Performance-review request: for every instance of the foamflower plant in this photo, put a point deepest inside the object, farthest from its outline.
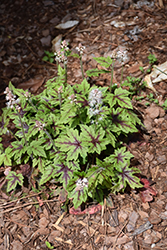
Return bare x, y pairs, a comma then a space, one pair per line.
71, 136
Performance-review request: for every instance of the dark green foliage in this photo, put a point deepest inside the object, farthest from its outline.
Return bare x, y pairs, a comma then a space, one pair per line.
70, 134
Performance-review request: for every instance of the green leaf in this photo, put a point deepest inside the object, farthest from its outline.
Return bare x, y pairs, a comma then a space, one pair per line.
71, 143
64, 170
45, 58
13, 180
82, 88
36, 149
93, 138
49, 245
119, 158
47, 174
104, 61
96, 72
121, 98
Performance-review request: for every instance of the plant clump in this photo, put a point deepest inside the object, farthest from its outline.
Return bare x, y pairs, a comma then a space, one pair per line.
71, 135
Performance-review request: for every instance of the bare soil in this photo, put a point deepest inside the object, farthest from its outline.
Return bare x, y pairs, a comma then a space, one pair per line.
27, 29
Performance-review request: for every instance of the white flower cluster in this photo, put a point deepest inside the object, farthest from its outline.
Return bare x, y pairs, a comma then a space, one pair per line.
60, 57
12, 101
39, 125
81, 183
95, 101
64, 45
80, 48
122, 56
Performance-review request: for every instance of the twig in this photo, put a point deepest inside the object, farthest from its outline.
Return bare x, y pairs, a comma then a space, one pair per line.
88, 216
26, 197
115, 243
31, 49
27, 204
19, 224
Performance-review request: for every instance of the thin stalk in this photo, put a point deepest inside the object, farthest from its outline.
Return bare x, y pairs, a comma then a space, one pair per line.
65, 67
60, 101
82, 67
122, 73
22, 128
57, 64
29, 99
112, 73
13, 135
46, 132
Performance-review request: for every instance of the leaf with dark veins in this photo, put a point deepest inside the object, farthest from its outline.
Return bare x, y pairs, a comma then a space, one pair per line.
94, 138
13, 180
72, 144
121, 98
64, 170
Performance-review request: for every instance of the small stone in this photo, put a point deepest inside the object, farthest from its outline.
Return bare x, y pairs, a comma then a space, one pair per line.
129, 246
44, 19
161, 112
161, 159
54, 20
45, 32
46, 41
156, 236
133, 217
123, 215
143, 214
154, 218
149, 156
153, 111
17, 245
43, 222
147, 237
146, 205
83, 231
111, 230
148, 123
163, 215
67, 231
53, 235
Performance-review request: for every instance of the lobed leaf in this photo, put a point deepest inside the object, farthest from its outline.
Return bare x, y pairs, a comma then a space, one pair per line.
93, 138
121, 98
119, 158
71, 143
13, 180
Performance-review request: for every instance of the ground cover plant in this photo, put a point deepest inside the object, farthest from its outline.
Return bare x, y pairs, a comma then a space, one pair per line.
71, 136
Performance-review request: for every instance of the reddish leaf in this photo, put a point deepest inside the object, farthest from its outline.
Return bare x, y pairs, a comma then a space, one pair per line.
147, 192
91, 210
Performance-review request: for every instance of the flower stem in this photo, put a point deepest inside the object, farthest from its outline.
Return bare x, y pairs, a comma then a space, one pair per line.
82, 67
112, 73
65, 81
46, 132
122, 73
22, 128
60, 101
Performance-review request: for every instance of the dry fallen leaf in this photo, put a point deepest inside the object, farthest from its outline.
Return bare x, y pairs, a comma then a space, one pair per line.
32, 84
149, 84
67, 25
56, 43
